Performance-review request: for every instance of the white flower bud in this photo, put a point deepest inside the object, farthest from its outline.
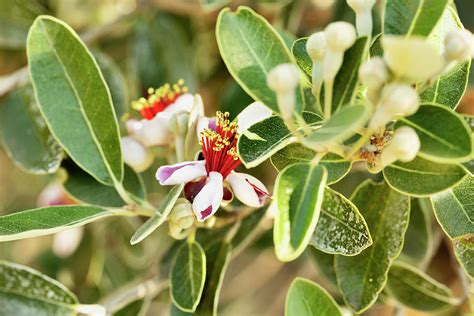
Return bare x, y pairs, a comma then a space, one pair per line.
373, 73
283, 79
179, 123
363, 11
400, 99
182, 214
459, 45
404, 146
316, 46
135, 154
67, 241
340, 36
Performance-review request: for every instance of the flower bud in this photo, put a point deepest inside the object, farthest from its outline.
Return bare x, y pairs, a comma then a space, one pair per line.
316, 46
363, 11
340, 36
175, 231
135, 154
361, 5
404, 146
283, 78
373, 73
182, 214
400, 99
459, 45
179, 123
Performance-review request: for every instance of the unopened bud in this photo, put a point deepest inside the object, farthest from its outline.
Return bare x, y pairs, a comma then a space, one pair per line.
363, 11
404, 146
459, 45
400, 99
340, 36
182, 214
179, 123
135, 154
373, 73
316, 46
283, 79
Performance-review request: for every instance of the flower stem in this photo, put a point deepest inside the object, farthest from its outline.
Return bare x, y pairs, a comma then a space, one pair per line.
179, 146
328, 87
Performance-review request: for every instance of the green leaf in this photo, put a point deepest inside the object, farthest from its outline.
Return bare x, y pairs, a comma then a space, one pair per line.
298, 196
444, 135
419, 229
412, 17
422, 177
464, 251
137, 307
48, 220
361, 278
301, 56
217, 259
250, 48
187, 276
306, 298
341, 126
415, 289
341, 229
336, 166
247, 229
88, 190
24, 292
160, 216
25, 136
261, 140
74, 99
325, 263
448, 89
454, 209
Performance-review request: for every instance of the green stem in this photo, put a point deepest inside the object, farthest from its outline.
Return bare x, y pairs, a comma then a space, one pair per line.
328, 87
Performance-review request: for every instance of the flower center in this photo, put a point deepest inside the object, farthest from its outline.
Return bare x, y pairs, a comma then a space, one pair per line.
159, 99
219, 145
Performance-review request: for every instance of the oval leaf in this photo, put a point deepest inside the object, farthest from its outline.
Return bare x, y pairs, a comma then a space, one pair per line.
298, 197
25, 136
444, 135
464, 251
250, 48
48, 220
74, 99
422, 177
341, 229
306, 298
361, 278
187, 276
415, 289
24, 291
336, 166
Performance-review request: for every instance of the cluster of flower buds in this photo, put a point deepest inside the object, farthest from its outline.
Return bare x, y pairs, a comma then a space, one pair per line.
459, 46
283, 80
403, 146
181, 218
363, 11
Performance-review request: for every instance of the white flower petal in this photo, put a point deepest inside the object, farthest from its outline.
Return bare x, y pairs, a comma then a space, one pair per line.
154, 132
135, 154
248, 189
252, 114
182, 104
203, 123
182, 172
208, 200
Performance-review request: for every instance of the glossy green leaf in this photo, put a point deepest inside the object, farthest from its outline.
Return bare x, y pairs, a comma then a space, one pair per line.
137, 307
444, 135
341, 126
25, 136
25, 292
448, 89
415, 289
160, 216
422, 177
217, 259
454, 209
299, 192
48, 220
336, 166
250, 48
412, 17
464, 251
306, 298
187, 276
361, 278
341, 229
86, 189
261, 140
419, 229
325, 264
74, 99
301, 56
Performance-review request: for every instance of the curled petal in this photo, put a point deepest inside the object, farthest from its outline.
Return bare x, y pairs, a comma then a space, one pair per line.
208, 200
252, 114
153, 132
182, 104
181, 172
248, 189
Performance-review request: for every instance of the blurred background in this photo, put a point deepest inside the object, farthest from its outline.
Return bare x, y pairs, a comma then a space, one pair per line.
141, 44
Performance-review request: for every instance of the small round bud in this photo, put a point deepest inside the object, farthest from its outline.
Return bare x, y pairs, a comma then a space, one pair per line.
361, 5
373, 73
459, 45
340, 36
283, 78
135, 154
400, 99
404, 146
182, 214
316, 46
